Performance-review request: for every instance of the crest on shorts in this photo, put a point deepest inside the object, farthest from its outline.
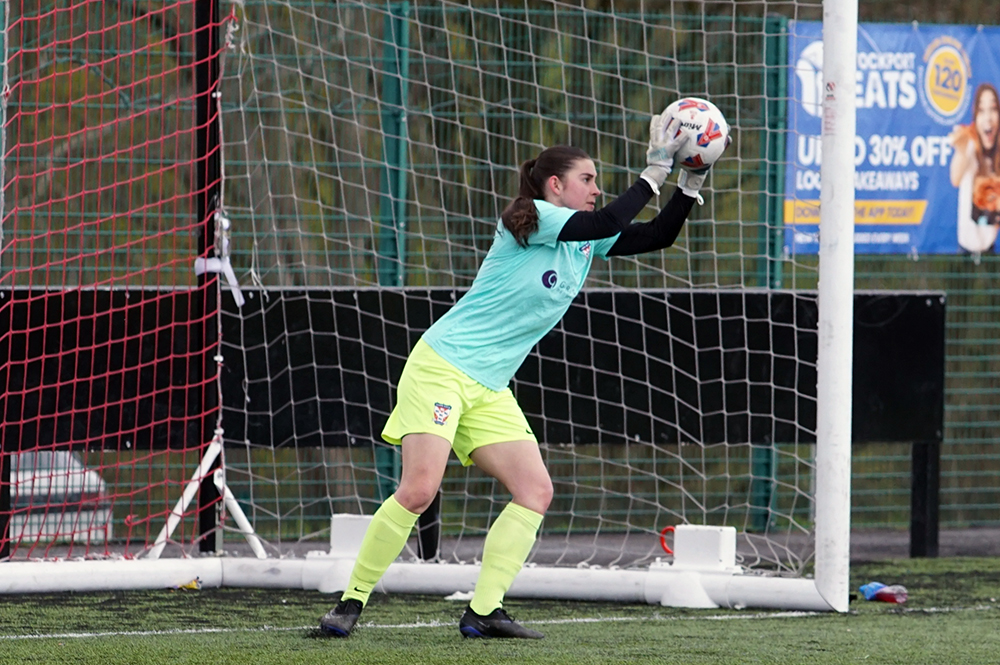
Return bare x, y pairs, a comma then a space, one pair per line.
441, 413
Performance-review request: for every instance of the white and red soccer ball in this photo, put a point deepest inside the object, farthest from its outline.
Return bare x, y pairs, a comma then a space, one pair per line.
708, 131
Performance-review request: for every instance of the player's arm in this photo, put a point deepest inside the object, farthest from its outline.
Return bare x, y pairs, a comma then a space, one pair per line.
611, 219
659, 233
664, 142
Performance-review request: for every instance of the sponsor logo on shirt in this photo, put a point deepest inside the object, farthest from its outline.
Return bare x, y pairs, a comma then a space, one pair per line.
441, 413
549, 278
585, 248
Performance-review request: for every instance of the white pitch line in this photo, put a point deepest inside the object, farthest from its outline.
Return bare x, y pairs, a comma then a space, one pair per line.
445, 624
147, 633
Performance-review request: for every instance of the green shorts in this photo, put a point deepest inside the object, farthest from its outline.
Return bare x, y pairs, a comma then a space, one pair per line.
435, 397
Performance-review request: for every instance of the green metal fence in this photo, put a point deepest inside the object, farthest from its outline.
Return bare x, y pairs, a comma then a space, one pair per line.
375, 144
453, 72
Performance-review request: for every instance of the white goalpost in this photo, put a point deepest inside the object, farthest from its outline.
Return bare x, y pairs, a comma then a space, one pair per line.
836, 311
221, 236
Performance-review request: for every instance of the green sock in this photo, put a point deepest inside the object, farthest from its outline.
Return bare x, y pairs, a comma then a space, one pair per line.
508, 544
384, 540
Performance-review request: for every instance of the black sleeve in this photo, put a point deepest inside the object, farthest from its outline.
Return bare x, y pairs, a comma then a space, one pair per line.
657, 234
611, 219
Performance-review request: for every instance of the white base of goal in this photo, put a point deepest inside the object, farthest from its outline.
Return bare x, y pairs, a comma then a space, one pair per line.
703, 575
660, 584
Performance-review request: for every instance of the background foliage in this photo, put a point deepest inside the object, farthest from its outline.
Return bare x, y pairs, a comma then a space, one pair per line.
488, 84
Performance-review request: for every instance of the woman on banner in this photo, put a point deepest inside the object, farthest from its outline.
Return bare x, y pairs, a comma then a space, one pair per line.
975, 170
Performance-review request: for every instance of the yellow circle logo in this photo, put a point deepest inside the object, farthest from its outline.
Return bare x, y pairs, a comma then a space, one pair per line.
946, 78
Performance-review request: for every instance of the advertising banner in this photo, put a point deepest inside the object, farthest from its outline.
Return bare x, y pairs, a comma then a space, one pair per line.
927, 166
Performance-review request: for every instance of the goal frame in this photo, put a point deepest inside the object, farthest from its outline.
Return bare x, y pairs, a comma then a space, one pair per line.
677, 584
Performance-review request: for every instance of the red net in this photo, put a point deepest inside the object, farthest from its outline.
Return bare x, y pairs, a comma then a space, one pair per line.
107, 336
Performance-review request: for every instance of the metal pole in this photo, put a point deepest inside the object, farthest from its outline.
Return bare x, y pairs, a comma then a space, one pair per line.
773, 149
924, 498
5, 501
392, 208
762, 457
205, 299
5, 456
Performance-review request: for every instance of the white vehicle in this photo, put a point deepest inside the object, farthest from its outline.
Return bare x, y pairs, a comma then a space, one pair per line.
56, 498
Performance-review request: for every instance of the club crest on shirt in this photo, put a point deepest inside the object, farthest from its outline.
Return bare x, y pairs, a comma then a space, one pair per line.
441, 413
585, 248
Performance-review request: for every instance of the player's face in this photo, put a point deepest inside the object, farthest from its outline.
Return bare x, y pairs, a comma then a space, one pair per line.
988, 120
577, 190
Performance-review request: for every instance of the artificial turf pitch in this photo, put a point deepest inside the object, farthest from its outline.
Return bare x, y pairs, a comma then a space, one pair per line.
952, 616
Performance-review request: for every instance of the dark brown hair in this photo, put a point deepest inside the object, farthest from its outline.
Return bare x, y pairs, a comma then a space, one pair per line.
993, 157
520, 217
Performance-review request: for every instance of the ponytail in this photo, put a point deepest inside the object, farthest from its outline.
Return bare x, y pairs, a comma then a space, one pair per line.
520, 217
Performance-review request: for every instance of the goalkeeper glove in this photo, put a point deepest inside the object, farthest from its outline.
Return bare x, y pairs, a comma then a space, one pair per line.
664, 142
690, 183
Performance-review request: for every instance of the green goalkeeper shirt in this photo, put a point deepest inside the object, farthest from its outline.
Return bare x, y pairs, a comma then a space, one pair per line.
519, 295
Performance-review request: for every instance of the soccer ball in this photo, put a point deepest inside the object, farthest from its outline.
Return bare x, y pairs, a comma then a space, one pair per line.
707, 129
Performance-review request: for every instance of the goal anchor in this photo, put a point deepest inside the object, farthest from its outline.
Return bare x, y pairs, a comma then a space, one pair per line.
211, 453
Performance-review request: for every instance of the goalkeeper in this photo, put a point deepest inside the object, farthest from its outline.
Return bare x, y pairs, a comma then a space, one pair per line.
453, 393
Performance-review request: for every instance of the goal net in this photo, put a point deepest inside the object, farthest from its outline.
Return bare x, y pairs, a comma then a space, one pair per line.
262, 288
106, 333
